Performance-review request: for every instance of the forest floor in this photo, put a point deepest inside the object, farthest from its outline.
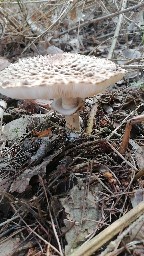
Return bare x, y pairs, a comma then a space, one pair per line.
58, 193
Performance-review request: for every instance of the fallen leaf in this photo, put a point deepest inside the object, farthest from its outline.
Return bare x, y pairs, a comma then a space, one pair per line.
44, 133
131, 53
22, 181
18, 128
82, 212
7, 248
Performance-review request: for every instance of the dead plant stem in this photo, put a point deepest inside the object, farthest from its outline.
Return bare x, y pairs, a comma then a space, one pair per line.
127, 162
107, 234
125, 119
115, 37
114, 244
135, 7
53, 225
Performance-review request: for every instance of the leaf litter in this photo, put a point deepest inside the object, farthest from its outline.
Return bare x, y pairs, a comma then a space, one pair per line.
62, 193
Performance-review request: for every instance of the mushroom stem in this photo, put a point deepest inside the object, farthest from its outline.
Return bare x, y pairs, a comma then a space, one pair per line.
69, 108
68, 103
73, 122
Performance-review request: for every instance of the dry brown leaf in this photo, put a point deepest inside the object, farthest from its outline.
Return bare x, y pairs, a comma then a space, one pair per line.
44, 133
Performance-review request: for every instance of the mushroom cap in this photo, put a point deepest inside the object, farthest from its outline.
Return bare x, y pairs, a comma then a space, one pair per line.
66, 75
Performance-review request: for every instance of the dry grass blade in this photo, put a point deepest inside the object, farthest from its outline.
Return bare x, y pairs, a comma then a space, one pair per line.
107, 234
52, 221
126, 135
91, 119
127, 117
112, 247
139, 174
124, 3
64, 12
64, 193
135, 7
125, 138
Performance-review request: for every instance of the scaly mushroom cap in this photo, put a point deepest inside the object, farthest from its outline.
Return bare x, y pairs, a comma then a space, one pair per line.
56, 76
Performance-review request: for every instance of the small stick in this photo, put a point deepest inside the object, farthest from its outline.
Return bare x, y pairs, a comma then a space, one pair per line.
107, 234
135, 7
91, 119
139, 174
126, 136
64, 12
114, 244
40, 237
52, 221
115, 37
136, 66
120, 155
124, 120
8, 220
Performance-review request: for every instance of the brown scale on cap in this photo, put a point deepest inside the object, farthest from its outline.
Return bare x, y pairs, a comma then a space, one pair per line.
66, 77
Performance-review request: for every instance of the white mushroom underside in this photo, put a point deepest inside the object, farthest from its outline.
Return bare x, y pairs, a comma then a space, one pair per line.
67, 106
76, 89
62, 75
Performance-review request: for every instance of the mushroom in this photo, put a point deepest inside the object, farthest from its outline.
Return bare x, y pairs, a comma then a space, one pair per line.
67, 78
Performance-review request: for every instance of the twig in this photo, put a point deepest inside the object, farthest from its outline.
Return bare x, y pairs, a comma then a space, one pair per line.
135, 7
139, 174
128, 247
126, 136
8, 220
100, 181
114, 244
3, 106
53, 225
11, 20
115, 37
125, 119
136, 66
133, 60
91, 119
118, 153
64, 12
107, 234
11, 198
40, 237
